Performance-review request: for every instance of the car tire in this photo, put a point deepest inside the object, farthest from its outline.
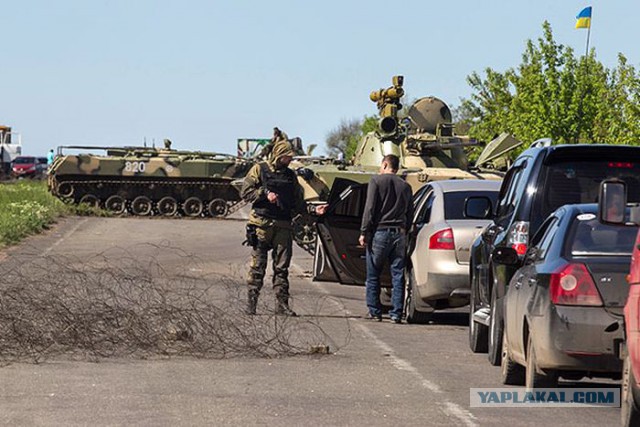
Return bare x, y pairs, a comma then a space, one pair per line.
512, 373
630, 396
478, 333
413, 314
533, 378
496, 326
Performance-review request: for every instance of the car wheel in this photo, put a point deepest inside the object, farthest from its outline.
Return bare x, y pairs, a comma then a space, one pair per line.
496, 326
534, 377
512, 373
478, 333
413, 314
630, 396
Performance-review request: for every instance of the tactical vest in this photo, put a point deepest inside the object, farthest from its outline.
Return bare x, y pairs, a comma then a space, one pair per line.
282, 183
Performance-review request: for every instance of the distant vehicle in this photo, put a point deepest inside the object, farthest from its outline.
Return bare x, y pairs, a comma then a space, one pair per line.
563, 310
542, 179
438, 272
27, 167
10, 148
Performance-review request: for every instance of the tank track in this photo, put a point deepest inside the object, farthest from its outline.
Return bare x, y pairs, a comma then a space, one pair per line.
152, 197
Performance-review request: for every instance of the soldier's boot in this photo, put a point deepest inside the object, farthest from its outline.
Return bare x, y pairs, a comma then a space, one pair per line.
283, 309
252, 302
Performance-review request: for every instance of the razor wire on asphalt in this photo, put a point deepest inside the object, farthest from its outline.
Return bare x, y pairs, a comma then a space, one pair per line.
166, 304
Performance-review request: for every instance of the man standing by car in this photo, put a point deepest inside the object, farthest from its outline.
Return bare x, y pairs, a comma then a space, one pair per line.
385, 221
277, 197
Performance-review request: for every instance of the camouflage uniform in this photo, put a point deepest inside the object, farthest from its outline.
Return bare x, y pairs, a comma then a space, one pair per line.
272, 224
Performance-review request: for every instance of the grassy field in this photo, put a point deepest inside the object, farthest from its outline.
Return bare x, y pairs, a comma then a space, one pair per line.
26, 207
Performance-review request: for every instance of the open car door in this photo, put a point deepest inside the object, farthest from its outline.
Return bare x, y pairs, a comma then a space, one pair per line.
338, 256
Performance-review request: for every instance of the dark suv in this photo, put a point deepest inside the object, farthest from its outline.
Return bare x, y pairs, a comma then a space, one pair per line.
541, 180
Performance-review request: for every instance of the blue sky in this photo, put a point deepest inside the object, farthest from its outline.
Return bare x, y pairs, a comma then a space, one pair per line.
204, 73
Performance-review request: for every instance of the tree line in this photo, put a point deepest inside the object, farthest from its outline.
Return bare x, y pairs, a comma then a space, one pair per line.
553, 93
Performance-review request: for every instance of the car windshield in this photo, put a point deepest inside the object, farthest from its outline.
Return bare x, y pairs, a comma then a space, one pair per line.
589, 237
24, 160
454, 202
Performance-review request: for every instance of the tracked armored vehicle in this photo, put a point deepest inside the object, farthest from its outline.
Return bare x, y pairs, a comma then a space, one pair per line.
424, 140
148, 181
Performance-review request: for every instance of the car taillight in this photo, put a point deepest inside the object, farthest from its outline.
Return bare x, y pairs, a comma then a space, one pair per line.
443, 239
518, 236
573, 285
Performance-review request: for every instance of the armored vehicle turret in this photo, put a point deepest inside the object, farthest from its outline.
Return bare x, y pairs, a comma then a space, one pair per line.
424, 139
148, 181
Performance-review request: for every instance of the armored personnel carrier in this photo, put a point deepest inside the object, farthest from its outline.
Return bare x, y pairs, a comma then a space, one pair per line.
424, 140
148, 181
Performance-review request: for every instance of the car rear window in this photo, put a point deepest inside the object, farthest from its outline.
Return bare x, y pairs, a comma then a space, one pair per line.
589, 237
24, 160
573, 182
454, 202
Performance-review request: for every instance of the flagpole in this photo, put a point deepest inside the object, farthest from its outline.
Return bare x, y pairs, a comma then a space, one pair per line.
586, 64
586, 53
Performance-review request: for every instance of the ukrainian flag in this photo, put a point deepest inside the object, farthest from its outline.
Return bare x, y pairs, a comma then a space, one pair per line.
584, 18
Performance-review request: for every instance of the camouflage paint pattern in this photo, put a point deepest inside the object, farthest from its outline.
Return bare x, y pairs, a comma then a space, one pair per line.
139, 178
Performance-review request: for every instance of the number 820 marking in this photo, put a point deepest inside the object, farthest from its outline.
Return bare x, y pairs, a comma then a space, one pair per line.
135, 166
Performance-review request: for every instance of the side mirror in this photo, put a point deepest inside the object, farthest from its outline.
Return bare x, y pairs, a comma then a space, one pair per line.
478, 207
612, 201
505, 256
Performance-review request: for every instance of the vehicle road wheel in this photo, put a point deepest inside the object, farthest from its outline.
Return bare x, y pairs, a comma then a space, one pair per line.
630, 397
478, 333
304, 233
413, 314
192, 206
65, 189
167, 206
512, 373
218, 207
115, 204
141, 205
534, 378
496, 326
90, 200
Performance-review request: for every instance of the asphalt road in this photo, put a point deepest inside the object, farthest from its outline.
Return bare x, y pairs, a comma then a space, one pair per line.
377, 373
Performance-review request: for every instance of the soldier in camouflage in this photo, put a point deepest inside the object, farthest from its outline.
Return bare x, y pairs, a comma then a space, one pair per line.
277, 197
278, 136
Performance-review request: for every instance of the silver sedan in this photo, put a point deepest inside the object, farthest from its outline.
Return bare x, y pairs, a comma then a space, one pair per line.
438, 272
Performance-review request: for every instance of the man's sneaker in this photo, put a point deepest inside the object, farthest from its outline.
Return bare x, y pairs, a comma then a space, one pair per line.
396, 319
377, 318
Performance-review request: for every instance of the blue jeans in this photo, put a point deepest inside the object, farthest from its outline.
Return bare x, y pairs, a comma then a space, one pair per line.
386, 245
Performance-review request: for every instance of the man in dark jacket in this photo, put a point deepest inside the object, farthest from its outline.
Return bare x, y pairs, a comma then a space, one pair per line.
386, 219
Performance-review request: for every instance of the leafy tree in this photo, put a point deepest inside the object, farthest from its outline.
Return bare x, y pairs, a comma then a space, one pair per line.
555, 94
344, 138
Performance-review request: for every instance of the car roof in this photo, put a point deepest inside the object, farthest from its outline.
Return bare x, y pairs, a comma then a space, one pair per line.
467, 185
572, 148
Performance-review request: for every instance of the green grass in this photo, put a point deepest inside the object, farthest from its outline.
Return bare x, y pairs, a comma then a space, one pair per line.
26, 207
